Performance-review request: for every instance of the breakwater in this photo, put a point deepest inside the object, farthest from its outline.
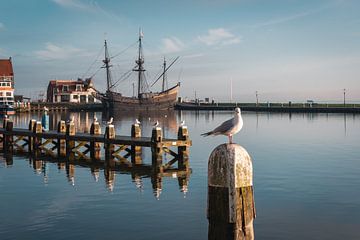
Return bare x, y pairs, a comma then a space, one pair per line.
272, 107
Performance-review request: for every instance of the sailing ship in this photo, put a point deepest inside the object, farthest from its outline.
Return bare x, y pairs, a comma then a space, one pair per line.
145, 99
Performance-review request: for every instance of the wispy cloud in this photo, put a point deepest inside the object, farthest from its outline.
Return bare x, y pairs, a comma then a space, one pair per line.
172, 45
75, 4
219, 36
56, 52
2, 26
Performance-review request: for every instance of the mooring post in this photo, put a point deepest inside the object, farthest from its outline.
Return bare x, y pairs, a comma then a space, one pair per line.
61, 143
70, 144
95, 129
32, 124
156, 149
183, 151
8, 138
109, 147
136, 150
37, 140
231, 208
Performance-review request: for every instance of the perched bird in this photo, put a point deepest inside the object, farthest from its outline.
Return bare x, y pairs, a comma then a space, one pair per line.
182, 123
71, 120
45, 109
156, 123
110, 121
95, 119
229, 127
137, 121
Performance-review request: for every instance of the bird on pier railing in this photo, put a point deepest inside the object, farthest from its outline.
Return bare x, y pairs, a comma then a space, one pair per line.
71, 120
156, 124
110, 121
95, 119
137, 122
182, 123
229, 127
46, 109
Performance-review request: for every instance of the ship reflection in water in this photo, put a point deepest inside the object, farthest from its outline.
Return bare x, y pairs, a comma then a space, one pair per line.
109, 170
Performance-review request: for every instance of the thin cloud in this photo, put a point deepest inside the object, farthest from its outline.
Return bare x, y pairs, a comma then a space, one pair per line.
2, 26
55, 52
74, 4
219, 36
172, 45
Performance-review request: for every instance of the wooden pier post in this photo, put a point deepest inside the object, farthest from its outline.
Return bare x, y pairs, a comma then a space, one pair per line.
37, 140
61, 143
136, 150
109, 147
32, 124
95, 129
70, 144
231, 208
183, 151
8, 139
156, 150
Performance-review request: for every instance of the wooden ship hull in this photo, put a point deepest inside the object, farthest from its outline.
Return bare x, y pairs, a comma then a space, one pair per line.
146, 101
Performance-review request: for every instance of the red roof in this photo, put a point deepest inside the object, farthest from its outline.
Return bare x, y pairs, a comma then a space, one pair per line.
6, 68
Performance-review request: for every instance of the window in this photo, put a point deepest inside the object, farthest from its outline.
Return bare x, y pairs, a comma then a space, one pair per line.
65, 88
83, 98
75, 96
78, 87
65, 98
8, 94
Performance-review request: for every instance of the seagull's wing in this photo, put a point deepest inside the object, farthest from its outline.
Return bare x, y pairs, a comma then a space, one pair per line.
223, 128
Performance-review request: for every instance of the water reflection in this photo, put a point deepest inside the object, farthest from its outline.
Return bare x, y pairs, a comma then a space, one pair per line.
110, 169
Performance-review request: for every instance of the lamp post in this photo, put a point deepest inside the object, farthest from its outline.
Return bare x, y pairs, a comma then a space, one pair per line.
344, 96
257, 98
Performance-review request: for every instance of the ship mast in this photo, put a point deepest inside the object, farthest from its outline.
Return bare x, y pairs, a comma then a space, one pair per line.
140, 69
107, 66
164, 76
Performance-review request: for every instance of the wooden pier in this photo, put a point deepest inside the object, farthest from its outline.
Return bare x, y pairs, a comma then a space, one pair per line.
113, 151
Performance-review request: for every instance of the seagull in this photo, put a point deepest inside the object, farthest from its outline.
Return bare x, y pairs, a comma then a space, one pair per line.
71, 120
137, 121
229, 127
95, 119
156, 123
110, 121
46, 109
182, 123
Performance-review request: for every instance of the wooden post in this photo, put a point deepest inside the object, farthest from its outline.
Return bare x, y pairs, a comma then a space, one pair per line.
183, 151
70, 144
231, 208
136, 150
32, 124
8, 138
156, 150
37, 140
61, 143
95, 129
109, 147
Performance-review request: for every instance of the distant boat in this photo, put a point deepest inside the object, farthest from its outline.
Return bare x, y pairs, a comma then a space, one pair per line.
145, 99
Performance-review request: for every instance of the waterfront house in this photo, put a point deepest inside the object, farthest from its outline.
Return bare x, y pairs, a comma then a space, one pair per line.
73, 91
6, 87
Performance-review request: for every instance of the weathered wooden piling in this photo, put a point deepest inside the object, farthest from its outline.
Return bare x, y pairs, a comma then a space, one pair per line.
70, 144
95, 129
32, 124
37, 140
183, 151
231, 207
157, 150
8, 140
109, 147
136, 150
61, 143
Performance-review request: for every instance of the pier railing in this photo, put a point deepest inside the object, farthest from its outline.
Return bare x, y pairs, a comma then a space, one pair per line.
114, 150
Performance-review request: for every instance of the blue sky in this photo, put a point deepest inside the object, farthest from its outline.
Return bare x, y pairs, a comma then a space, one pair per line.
287, 50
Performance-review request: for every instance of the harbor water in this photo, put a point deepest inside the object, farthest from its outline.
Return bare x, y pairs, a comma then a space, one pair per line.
306, 182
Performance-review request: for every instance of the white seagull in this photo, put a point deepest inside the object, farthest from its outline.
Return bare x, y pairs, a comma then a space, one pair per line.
137, 121
71, 120
110, 121
95, 119
156, 123
182, 123
229, 127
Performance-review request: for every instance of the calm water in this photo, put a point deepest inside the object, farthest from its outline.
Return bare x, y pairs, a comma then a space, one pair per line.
307, 178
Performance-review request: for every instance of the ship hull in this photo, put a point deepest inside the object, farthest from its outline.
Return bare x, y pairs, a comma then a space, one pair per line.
148, 101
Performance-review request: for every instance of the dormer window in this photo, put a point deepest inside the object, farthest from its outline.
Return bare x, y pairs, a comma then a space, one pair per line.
78, 87
65, 88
